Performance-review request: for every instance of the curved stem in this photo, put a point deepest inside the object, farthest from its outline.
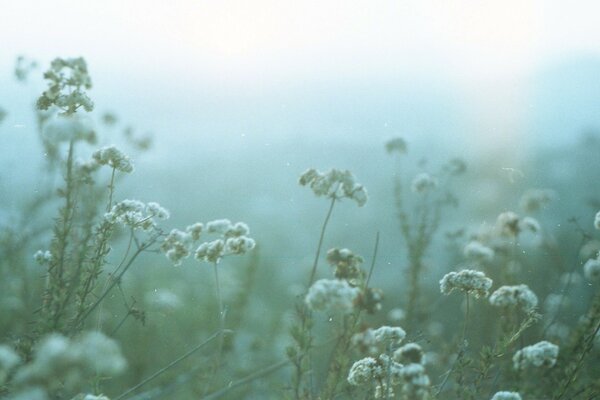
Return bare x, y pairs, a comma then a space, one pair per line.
320, 244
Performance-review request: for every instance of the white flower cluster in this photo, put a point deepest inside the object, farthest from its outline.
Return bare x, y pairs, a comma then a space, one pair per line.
397, 145
334, 183
506, 396
597, 220
66, 128
233, 241
423, 183
43, 257
541, 354
332, 295
415, 381
535, 199
468, 281
23, 67
475, 250
136, 215
114, 158
389, 334
60, 361
67, 80
591, 269
410, 353
510, 224
347, 265
514, 296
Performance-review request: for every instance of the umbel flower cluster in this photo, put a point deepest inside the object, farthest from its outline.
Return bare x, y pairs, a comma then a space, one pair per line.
334, 183
233, 240
346, 264
519, 296
67, 363
114, 158
383, 372
67, 81
468, 281
332, 295
541, 354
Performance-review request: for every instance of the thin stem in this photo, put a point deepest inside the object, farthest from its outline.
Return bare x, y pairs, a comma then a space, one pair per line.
318, 253
245, 380
373, 260
464, 334
170, 365
111, 189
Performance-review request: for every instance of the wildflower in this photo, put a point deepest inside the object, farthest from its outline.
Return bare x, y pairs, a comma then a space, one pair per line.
365, 341
468, 281
67, 128
100, 353
67, 79
364, 371
156, 210
176, 246
334, 183
347, 265
195, 230
530, 224
506, 396
23, 67
370, 300
542, 354
508, 224
415, 381
396, 315
218, 226
114, 158
43, 257
130, 213
93, 397
397, 145
332, 295
211, 252
478, 251
423, 183
389, 334
238, 245
516, 296
591, 269
410, 353
535, 199
597, 220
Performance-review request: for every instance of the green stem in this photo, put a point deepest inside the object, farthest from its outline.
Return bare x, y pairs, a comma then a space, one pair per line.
320, 244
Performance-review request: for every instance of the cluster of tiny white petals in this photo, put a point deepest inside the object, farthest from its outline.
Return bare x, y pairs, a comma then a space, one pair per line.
475, 250
530, 224
43, 257
176, 246
332, 295
366, 341
114, 158
71, 361
365, 371
514, 296
66, 128
535, 199
67, 79
397, 145
468, 281
156, 210
541, 354
591, 269
195, 230
135, 214
506, 396
423, 183
389, 334
334, 183
410, 353
415, 381
508, 224
597, 220
94, 397
233, 240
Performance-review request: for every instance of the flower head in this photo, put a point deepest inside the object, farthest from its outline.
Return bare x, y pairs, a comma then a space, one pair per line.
67, 81
468, 281
334, 183
514, 296
114, 158
423, 183
506, 396
396, 145
591, 269
597, 220
541, 354
332, 295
